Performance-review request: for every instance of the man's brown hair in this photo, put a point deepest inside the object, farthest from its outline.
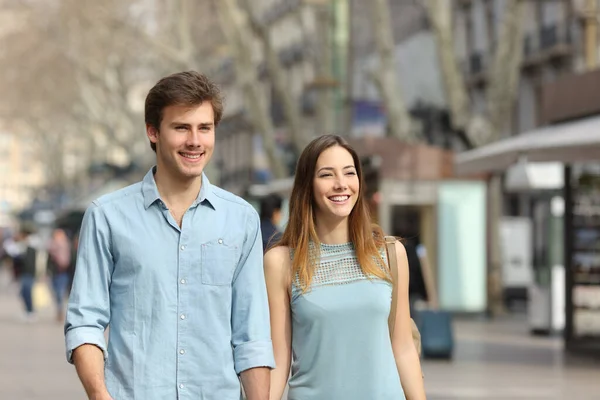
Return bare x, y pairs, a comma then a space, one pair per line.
188, 88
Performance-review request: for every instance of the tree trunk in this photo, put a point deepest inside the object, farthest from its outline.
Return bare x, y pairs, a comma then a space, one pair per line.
237, 33
505, 70
494, 276
324, 81
348, 113
440, 18
278, 80
400, 122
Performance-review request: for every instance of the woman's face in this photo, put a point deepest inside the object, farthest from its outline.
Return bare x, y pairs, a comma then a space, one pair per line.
335, 184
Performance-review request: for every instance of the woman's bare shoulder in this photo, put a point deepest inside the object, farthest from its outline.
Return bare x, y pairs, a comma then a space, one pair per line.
278, 258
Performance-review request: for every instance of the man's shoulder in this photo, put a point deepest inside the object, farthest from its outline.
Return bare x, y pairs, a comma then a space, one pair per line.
121, 196
232, 200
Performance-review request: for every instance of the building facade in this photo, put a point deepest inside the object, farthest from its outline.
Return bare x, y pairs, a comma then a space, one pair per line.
21, 172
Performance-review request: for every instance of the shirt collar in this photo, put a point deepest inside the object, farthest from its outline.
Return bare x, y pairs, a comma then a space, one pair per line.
151, 195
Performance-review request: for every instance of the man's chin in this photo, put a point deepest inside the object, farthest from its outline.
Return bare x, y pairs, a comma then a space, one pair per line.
192, 173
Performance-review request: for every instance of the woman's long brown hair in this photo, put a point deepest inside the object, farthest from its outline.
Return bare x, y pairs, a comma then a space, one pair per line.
366, 237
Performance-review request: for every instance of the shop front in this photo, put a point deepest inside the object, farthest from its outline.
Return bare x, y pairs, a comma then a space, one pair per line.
576, 145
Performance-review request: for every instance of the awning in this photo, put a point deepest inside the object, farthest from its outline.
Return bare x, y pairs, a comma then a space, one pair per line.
567, 142
525, 176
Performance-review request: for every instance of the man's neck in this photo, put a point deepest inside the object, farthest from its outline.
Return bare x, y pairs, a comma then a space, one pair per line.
178, 194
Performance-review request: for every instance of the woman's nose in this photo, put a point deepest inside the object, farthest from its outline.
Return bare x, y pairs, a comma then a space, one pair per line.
340, 183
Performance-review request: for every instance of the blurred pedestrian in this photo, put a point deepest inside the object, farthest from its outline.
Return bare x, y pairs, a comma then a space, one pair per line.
59, 262
329, 290
270, 217
23, 255
417, 292
175, 265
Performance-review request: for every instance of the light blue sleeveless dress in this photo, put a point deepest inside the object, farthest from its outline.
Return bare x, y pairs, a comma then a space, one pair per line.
340, 341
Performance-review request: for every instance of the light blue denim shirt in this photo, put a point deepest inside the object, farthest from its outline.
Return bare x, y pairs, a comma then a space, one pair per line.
186, 307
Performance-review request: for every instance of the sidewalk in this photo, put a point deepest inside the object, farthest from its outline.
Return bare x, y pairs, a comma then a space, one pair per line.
493, 361
499, 360
33, 364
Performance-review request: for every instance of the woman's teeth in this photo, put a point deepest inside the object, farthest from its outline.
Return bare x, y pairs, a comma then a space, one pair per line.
339, 199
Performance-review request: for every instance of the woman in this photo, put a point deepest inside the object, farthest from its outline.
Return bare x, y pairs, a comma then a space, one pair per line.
330, 292
59, 261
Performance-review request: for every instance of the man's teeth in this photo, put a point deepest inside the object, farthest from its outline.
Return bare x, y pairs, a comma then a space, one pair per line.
191, 155
339, 198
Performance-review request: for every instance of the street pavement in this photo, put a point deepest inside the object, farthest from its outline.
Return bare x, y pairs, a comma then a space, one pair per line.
493, 361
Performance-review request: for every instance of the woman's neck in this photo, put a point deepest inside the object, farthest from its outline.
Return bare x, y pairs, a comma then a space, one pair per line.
333, 232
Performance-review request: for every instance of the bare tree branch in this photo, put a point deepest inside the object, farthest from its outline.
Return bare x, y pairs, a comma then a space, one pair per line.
400, 121
237, 32
440, 16
278, 79
502, 78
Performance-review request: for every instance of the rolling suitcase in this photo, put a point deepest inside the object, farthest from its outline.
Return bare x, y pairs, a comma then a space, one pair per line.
437, 340
435, 325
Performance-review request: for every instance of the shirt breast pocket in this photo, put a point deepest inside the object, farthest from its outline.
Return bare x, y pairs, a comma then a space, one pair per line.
219, 260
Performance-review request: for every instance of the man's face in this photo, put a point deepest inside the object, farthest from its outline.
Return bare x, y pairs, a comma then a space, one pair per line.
186, 140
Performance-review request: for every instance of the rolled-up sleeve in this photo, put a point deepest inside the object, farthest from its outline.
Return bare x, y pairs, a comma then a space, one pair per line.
251, 330
88, 310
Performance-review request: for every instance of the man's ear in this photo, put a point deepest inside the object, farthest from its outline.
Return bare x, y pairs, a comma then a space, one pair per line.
152, 133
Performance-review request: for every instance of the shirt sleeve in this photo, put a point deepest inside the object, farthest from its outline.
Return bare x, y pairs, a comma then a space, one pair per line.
250, 324
88, 310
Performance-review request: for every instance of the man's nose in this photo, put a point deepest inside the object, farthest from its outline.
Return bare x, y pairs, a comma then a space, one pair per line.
194, 138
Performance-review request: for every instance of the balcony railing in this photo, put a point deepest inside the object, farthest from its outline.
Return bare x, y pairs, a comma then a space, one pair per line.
549, 41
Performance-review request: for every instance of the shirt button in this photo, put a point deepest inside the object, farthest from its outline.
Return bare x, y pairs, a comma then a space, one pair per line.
182, 316
181, 386
181, 351
182, 247
220, 241
183, 281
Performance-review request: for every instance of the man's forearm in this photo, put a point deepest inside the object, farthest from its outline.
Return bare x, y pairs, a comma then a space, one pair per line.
256, 382
89, 363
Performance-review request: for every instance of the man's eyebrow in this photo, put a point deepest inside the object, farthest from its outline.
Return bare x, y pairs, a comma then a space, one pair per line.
202, 124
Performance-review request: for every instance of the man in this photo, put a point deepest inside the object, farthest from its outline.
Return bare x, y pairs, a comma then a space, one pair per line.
24, 256
175, 265
270, 216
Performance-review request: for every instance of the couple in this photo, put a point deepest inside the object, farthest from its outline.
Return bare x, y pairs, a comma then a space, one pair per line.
175, 266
